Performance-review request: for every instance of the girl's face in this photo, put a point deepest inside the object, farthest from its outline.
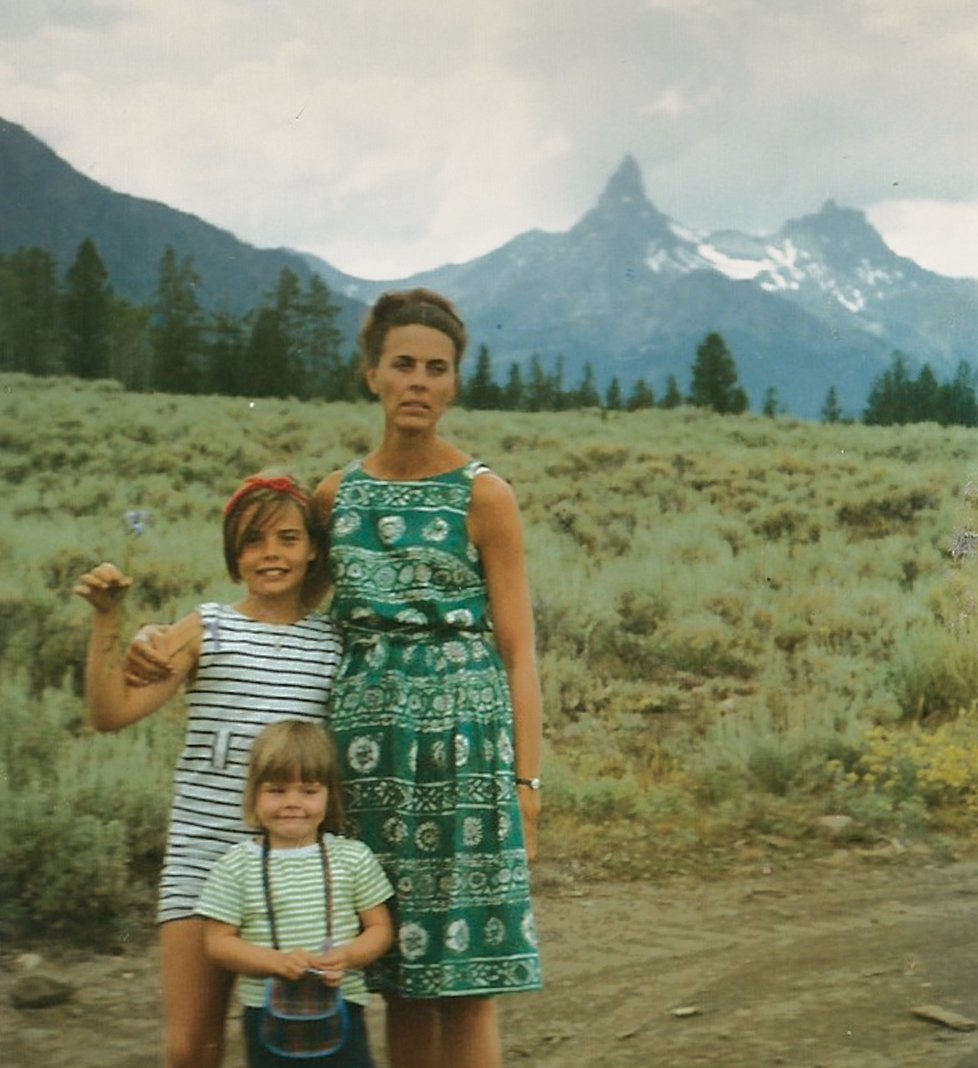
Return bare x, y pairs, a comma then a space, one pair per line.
273, 561
291, 812
415, 377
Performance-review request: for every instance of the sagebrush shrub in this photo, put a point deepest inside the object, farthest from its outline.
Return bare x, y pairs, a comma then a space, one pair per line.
722, 605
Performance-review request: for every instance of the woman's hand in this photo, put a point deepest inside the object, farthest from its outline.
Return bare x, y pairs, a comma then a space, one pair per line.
530, 812
104, 587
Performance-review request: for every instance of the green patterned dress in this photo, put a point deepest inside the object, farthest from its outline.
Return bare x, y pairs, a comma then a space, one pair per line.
424, 727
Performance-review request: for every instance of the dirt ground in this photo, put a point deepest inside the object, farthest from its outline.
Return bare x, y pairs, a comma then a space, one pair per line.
814, 965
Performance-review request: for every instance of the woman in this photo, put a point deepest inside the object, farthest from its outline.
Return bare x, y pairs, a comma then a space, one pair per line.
436, 709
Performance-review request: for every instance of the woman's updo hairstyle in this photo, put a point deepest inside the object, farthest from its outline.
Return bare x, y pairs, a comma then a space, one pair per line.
409, 307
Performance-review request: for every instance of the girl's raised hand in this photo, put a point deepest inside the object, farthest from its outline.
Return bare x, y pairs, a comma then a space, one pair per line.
103, 587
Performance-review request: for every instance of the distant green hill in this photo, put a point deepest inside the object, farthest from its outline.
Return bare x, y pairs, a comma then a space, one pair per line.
45, 202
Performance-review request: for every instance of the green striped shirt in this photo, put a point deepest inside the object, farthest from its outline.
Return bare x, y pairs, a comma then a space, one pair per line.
233, 894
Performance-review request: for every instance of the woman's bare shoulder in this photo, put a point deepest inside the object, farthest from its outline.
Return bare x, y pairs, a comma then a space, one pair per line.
490, 490
329, 483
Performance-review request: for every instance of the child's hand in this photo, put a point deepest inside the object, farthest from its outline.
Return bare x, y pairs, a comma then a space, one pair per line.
295, 963
103, 587
147, 660
332, 965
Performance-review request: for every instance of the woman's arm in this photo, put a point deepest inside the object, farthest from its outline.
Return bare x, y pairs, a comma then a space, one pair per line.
112, 702
324, 495
496, 531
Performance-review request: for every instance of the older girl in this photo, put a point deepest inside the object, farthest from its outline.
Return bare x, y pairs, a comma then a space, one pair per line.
266, 657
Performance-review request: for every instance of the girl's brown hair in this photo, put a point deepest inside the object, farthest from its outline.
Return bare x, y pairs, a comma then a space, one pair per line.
294, 750
409, 307
255, 504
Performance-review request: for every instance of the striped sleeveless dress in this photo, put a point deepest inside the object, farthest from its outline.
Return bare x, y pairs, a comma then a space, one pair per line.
249, 674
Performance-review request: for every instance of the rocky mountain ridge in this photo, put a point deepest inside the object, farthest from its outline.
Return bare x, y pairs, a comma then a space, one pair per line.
823, 302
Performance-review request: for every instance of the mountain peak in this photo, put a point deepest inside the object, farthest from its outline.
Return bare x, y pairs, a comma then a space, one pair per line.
840, 228
624, 215
626, 183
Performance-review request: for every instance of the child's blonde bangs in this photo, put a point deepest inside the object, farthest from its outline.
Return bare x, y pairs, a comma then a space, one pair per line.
294, 751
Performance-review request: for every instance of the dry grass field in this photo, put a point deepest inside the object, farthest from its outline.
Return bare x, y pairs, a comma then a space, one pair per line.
744, 625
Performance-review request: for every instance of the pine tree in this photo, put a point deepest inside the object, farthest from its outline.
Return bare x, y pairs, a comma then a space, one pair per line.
673, 397
480, 392
770, 405
274, 357
178, 331
586, 395
265, 371
559, 399
957, 400
539, 389
226, 355
613, 399
715, 382
320, 341
513, 398
889, 402
925, 397
640, 396
130, 347
86, 314
831, 412
31, 337
290, 367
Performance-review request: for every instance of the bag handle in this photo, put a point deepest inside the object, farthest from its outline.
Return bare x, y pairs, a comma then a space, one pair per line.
267, 886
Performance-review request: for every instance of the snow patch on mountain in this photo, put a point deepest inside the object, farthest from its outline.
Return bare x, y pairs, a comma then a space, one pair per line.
740, 270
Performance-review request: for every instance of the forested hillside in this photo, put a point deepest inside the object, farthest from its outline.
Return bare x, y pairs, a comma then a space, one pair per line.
293, 345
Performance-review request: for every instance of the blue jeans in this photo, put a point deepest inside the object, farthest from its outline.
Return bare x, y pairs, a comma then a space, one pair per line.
354, 1053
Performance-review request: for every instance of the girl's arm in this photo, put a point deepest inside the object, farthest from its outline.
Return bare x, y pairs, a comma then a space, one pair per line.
112, 702
376, 935
496, 531
225, 946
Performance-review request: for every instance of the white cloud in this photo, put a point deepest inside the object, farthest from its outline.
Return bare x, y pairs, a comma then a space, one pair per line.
939, 235
393, 135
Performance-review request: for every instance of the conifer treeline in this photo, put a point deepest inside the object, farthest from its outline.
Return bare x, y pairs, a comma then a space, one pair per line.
290, 346
287, 347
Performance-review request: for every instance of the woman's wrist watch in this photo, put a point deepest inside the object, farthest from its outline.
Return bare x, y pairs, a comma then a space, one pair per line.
533, 784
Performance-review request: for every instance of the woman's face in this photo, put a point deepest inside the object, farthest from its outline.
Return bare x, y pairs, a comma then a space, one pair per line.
415, 378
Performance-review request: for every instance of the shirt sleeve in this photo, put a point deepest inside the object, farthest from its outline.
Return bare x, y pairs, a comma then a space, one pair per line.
371, 886
223, 895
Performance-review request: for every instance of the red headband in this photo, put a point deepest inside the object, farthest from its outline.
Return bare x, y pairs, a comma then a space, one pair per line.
280, 484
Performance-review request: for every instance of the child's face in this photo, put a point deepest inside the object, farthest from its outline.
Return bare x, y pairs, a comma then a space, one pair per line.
273, 561
291, 812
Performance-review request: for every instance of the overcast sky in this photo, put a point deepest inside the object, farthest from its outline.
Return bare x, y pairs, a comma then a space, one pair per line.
390, 136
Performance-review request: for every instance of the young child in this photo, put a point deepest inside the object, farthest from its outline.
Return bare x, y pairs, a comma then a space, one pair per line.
293, 797
262, 659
